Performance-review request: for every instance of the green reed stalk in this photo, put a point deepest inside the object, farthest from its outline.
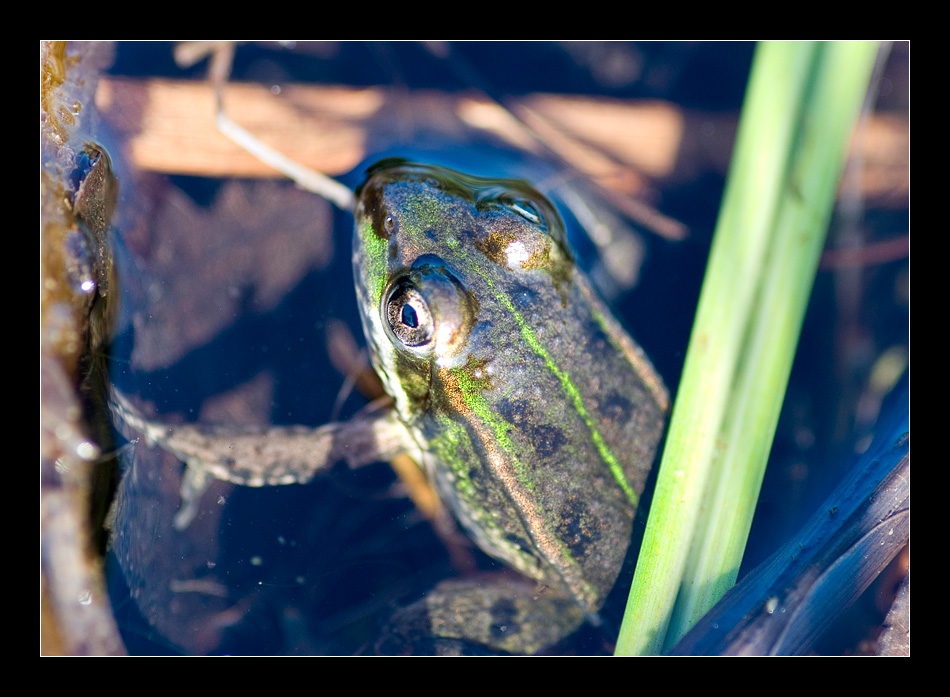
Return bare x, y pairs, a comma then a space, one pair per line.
801, 106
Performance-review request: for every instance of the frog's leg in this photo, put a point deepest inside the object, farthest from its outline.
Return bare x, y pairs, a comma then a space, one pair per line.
501, 611
253, 455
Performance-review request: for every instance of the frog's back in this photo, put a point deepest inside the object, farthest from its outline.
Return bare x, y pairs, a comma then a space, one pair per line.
570, 432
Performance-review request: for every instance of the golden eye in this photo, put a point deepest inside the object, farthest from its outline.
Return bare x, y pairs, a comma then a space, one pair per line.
409, 316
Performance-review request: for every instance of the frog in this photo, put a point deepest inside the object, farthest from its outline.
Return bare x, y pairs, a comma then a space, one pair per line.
531, 411
534, 414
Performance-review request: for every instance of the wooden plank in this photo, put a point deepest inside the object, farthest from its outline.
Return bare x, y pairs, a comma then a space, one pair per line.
168, 126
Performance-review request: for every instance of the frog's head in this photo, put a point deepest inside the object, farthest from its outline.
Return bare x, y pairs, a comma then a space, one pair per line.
435, 251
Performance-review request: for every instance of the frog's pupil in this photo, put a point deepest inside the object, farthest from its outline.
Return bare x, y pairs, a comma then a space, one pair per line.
409, 317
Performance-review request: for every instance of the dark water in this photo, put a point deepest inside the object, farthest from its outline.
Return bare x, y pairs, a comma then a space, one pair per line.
226, 320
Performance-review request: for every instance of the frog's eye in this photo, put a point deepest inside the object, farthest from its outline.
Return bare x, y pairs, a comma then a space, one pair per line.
428, 310
524, 208
409, 315
527, 210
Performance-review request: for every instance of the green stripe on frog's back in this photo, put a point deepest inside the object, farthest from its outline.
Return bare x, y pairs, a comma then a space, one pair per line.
574, 395
582, 524
503, 514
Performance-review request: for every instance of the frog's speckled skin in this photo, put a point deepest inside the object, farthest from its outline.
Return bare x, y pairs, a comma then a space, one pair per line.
533, 412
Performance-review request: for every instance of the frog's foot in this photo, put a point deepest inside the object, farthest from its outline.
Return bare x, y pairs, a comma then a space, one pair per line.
253, 455
483, 614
